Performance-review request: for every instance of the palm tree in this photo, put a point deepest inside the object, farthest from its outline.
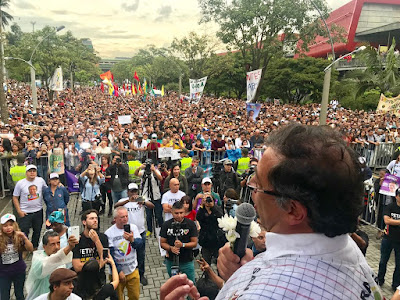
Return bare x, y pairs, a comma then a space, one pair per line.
5, 18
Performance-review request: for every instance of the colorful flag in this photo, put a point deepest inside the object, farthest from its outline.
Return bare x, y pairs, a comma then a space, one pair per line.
140, 89
162, 91
145, 86
102, 87
107, 75
134, 91
136, 77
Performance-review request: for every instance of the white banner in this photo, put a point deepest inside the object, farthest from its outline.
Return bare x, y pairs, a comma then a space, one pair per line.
165, 152
252, 79
124, 119
196, 88
56, 82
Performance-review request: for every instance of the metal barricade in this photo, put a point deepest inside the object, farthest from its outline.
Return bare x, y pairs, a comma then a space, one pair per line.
4, 172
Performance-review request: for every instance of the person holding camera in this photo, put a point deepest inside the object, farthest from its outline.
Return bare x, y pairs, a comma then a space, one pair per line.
206, 189
91, 179
248, 172
178, 238
151, 191
119, 179
135, 206
207, 217
230, 202
124, 239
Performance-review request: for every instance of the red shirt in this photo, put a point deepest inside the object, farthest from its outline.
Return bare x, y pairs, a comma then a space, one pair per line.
191, 215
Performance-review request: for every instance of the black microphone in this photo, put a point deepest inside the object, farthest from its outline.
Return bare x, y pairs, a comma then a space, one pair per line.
245, 214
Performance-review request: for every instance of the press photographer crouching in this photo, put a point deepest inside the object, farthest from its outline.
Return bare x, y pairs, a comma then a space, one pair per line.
178, 238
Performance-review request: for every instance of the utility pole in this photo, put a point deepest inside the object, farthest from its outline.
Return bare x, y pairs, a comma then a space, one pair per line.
180, 85
33, 26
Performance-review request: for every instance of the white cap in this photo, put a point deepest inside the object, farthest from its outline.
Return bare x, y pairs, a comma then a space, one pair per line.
28, 167
133, 186
54, 175
205, 180
6, 218
154, 136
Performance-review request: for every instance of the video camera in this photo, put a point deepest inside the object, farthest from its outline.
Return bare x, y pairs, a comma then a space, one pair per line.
248, 172
229, 203
148, 162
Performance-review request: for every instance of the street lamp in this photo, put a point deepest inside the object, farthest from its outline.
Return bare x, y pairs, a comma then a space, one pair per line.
327, 84
33, 70
16, 58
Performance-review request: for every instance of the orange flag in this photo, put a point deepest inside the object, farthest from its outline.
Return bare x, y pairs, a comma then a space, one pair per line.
107, 75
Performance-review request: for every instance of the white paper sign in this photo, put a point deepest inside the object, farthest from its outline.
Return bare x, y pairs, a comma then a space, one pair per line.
124, 119
252, 79
56, 82
197, 88
165, 152
175, 155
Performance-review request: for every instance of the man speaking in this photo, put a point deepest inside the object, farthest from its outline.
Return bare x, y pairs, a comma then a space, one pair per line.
307, 190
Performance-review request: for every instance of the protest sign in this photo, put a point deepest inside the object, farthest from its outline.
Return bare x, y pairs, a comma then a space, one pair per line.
165, 152
389, 105
253, 110
56, 161
124, 119
56, 82
389, 185
197, 88
72, 181
175, 155
253, 79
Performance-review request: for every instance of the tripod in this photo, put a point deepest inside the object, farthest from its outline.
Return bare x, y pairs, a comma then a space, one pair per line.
150, 195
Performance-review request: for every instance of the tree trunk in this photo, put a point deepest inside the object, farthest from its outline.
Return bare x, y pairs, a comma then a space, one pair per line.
3, 101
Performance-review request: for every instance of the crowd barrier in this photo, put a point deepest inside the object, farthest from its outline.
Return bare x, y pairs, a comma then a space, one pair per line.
378, 157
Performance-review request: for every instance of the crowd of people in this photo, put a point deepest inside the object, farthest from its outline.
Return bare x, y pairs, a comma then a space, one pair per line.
119, 171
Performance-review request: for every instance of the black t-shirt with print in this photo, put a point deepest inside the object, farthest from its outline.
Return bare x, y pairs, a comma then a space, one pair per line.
392, 232
86, 249
186, 232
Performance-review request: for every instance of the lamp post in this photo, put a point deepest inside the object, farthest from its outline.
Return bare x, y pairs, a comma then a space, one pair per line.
327, 84
33, 71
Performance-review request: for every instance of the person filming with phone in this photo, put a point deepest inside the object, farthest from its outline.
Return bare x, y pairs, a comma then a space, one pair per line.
178, 238
123, 240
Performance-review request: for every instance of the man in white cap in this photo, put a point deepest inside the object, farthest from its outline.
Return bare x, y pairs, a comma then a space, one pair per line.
152, 148
28, 202
56, 197
206, 188
135, 206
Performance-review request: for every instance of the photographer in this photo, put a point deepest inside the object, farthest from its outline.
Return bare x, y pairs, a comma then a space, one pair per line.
207, 216
164, 174
206, 188
179, 237
151, 191
248, 172
91, 179
119, 178
230, 202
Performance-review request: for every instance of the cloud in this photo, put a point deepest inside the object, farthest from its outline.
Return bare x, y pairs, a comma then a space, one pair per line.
24, 5
164, 13
131, 8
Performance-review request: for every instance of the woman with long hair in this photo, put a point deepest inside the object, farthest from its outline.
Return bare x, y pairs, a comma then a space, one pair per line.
71, 157
190, 213
91, 179
12, 267
175, 173
105, 188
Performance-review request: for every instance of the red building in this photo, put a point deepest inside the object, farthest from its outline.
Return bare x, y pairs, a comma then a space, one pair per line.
372, 21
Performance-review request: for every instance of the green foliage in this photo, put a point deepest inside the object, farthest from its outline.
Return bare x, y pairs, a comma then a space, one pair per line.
49, 50
295, 80
5, 16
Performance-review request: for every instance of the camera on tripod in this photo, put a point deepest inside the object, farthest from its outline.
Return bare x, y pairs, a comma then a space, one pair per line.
118, 160
148, 162
230, 203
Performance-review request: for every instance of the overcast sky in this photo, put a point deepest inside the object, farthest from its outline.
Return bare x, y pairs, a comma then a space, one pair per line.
118, 27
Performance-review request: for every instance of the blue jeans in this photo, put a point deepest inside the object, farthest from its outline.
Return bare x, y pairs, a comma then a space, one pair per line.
185, 268
116, 196
141, 253
149, 215
42, 171
386, 248
5, 286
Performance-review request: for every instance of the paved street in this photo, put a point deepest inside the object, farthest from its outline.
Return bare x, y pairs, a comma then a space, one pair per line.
156, 272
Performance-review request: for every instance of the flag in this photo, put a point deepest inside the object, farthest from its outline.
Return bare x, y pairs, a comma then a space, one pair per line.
107, 75
134, 91
102, 87
116, 93
110, 89
140, 89
136, 77
162, 91
56, 82
145, 86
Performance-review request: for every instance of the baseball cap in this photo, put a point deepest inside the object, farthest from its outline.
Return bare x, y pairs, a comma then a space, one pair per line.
28, 167
56, 217
206, 180
140, 136
228, 162
154, 136
62, 275
54, 175
6, 218
133, 186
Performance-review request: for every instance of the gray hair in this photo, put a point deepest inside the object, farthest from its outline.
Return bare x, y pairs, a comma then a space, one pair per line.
116, 210
48, 234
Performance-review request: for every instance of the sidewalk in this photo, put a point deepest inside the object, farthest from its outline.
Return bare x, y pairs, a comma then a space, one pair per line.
156, 271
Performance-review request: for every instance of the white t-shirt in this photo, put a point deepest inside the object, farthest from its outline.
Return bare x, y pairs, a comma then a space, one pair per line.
143, 144
135, 214
170, 198
70, 297
124, 253
30, 194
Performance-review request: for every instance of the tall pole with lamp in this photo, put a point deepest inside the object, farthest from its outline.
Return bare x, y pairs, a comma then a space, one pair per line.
33, 71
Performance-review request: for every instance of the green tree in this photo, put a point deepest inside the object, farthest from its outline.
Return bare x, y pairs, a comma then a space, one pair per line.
259, 29
5, 18
195, 50
295, 80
